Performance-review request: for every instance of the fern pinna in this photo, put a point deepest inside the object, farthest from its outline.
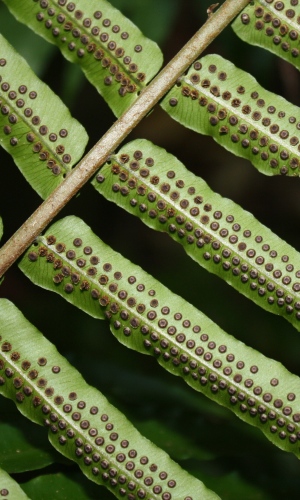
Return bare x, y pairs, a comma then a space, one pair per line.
214, 97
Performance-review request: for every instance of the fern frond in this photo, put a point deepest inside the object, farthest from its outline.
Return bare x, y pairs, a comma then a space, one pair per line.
147, 317
217, 233
220, 100
81, 423
113, 53
272, 25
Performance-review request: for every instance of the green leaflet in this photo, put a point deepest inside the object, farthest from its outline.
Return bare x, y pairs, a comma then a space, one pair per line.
65, 486
272, 25
38, 55
23, 445
217, 99
113, 53
82, 424
216, 232
147, 317
32, 453
36, 127
10, 488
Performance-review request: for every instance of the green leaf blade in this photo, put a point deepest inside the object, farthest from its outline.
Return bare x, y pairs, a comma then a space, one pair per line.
63, 486
145, 316
20, 454
113, 53
216, 232
37, 128
217, 99
82, 424
275, 29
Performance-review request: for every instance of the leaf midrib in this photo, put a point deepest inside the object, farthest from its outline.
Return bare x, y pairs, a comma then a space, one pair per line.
181, 347
111, 458
41, 138
117, 61
235, 111
207, 230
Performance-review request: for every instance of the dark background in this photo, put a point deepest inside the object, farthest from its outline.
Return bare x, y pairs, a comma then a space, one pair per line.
233, 459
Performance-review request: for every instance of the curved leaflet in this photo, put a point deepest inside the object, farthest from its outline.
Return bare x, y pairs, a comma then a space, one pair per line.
36, 127
216, 98
273, 25
34, 451
113, 53
147, 317
216, 232
82, 425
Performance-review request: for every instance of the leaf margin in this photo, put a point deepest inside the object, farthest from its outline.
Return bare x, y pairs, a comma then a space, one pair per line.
250, 29
19, 337
144, 50
213, 107
174, 353
31, 144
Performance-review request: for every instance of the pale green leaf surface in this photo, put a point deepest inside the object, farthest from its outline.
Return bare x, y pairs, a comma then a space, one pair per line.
36, 127
154, 395
272, 25
37, 52
80, 420
216, 232
147, 317
216, 98
113, 53
9, 488
146, 387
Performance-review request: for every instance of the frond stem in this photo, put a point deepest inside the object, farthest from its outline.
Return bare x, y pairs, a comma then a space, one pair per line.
91, 162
